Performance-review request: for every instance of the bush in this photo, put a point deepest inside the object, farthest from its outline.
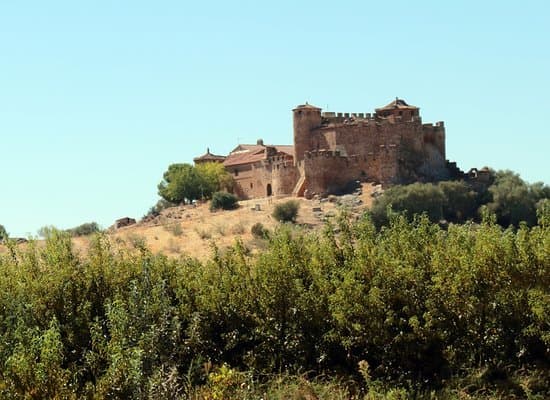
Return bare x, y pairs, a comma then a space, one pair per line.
3, 233
259, 231
85, 229
416, 198
287, 211
396, 313
509, 198
224, 201
514, 200
46, 231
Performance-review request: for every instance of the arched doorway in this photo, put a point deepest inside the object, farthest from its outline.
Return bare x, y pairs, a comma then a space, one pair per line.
269, 190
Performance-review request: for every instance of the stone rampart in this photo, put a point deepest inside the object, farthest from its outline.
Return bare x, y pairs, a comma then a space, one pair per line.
328, 171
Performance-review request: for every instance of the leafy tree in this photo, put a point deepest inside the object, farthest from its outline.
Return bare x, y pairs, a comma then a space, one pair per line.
213, 177
185, 182
461, 201
180, 183
514, 200
287, 211
509, 198
413, 199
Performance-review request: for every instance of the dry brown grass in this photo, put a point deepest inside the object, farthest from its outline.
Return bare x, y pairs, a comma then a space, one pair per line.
192, 230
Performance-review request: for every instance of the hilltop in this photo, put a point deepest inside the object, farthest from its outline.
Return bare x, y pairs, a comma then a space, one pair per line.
192, 229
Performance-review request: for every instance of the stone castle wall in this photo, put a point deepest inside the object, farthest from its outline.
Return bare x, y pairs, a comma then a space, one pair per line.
274, 176
328, 171
250, 180
391, 146
284, 175
390, 150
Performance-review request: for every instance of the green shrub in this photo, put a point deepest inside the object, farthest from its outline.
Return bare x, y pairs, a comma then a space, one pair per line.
409, 311
509, 198
287, 211
513, 200
46, 231
85, 229
223, 201
3, 233
416, 198
259, 231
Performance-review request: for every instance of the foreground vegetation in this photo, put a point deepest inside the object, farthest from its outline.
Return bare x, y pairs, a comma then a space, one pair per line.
411, 310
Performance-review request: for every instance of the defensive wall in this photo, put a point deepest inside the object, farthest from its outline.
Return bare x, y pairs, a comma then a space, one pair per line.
389, 146
394, 148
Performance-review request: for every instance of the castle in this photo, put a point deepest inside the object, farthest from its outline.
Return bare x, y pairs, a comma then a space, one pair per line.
389, 146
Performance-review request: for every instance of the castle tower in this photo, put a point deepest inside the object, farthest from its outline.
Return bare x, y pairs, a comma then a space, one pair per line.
306, 118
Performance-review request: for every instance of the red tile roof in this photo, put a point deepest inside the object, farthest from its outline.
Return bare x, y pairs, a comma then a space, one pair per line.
244, 157
251, 153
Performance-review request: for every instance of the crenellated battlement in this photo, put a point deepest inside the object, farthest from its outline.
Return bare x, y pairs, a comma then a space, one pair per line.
338, 118
390, 146
330, 114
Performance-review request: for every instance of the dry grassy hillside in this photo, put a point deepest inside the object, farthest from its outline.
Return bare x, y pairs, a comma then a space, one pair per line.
192, 230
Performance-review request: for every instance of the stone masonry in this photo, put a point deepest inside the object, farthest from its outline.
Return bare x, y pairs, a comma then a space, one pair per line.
389, 146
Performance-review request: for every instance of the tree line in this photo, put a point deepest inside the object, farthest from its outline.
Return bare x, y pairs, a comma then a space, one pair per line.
506, 195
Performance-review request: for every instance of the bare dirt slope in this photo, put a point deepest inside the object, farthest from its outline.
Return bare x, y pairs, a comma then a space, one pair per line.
189, 230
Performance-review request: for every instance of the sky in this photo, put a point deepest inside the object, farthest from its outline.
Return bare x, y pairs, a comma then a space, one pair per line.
97, 98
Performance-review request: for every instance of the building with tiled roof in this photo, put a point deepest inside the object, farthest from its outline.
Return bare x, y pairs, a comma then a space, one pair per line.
251, 166
330, 150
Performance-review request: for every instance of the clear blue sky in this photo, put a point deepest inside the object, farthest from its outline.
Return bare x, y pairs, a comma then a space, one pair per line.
97, 98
